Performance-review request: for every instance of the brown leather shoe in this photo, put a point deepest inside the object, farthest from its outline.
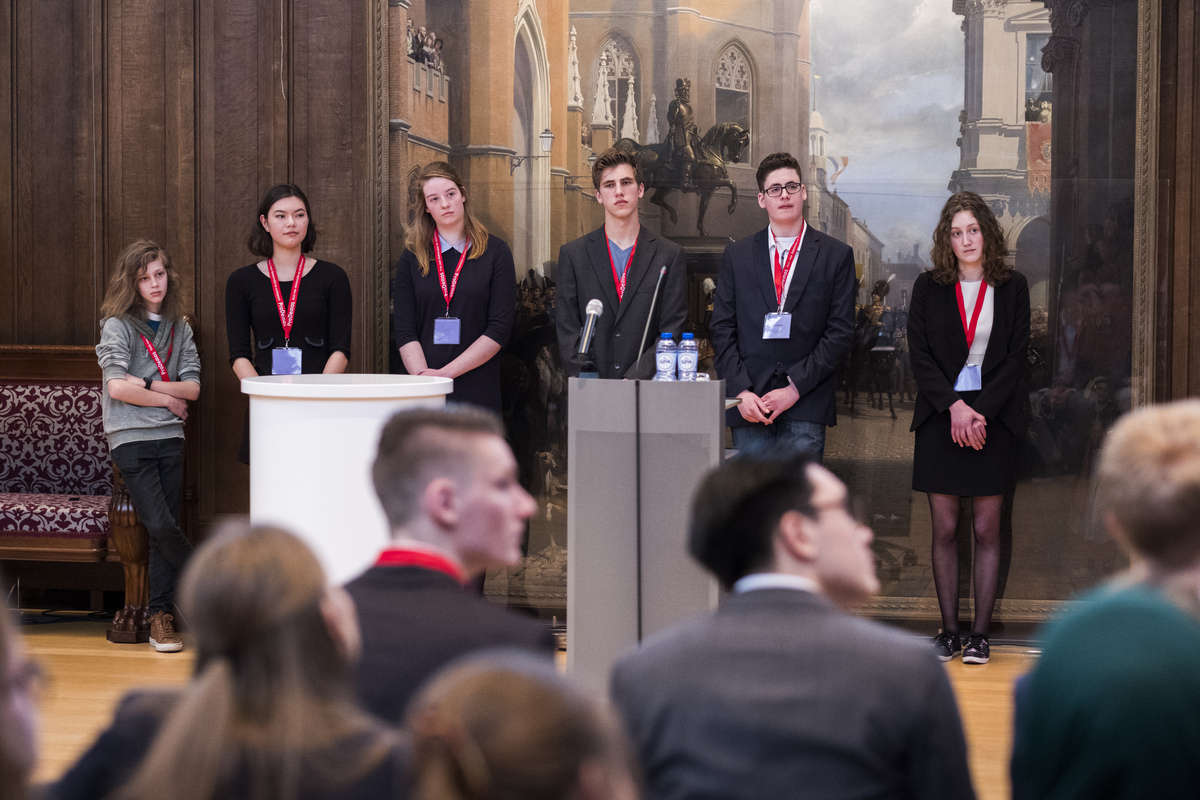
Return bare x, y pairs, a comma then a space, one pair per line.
162, 633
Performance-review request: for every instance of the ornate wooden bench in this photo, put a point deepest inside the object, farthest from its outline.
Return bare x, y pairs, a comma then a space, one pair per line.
61, 497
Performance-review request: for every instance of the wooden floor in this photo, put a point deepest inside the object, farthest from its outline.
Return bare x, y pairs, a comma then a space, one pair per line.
87, 675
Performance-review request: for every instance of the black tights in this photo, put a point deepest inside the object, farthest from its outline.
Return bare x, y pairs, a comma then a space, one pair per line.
986, 510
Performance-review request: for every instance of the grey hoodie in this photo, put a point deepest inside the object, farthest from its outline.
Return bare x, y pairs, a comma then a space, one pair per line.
120, 352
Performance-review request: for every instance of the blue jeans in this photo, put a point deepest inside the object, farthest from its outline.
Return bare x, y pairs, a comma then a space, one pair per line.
783, 433
153, 472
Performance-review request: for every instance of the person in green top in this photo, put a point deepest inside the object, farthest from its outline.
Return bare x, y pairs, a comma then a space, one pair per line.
1112, 709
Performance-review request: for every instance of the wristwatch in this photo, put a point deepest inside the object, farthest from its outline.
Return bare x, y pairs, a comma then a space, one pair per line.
147, 380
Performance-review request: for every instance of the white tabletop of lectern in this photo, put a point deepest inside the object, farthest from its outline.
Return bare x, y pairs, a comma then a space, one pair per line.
312, 441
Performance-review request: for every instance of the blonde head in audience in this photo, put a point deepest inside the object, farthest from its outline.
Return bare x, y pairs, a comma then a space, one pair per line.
274, 645
1148, 485
510, 728
18, 734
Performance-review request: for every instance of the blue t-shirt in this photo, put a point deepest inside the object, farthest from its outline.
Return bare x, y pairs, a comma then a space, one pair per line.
620, 257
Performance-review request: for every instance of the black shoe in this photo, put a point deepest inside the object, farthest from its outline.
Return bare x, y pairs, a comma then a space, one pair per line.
976, 650
945, 645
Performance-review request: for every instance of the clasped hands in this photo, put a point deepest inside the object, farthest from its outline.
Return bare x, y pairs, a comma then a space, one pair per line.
767, 408
968, 428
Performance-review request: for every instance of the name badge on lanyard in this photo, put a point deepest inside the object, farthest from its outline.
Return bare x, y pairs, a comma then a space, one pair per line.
286, 360
448, 329
778, 324
970, 379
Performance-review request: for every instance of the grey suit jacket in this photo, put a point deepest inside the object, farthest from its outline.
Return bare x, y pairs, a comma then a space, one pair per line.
780, 695
584, 272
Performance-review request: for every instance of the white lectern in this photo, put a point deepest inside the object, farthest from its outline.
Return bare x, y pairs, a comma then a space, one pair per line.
312, 441
635, 452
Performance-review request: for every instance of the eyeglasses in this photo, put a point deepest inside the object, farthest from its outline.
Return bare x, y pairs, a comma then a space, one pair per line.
776, 190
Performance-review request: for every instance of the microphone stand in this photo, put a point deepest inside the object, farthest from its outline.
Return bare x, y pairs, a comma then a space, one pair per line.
662, 273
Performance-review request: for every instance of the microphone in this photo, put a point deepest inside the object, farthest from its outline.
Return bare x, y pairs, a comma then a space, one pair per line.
594, 309
662, 273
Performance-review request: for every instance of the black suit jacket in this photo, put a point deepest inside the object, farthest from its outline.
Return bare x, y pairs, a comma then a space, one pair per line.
937, 347
415, 621
821, 302
778, 694
584, 272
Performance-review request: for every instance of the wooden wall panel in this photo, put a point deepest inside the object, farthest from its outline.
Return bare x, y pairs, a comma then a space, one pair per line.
52, 280
1178, 336
8, 250
242, 155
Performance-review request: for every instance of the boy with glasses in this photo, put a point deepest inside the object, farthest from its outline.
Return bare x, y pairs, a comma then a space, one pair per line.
782, 320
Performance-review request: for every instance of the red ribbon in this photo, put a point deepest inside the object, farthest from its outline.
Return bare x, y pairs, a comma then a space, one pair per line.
448, 292
962, 311
781, 273
404, 557
158, 362
620, 282
286, 319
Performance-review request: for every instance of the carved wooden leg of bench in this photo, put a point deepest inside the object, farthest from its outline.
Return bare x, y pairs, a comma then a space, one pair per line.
128, 535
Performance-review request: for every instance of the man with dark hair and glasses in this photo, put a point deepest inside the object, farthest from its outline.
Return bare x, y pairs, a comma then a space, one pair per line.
780, 693
782, 320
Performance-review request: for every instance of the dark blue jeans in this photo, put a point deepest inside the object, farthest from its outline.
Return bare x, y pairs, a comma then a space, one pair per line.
153, 472
784, 432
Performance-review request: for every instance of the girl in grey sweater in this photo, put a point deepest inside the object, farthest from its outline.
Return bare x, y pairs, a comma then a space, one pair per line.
151, 371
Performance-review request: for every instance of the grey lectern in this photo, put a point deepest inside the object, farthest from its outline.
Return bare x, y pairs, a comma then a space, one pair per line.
636, 452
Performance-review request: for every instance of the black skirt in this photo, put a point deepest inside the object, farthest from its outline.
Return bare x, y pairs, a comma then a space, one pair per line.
942, 467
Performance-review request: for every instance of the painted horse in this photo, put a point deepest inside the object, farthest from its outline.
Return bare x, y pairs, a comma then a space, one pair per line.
722, 144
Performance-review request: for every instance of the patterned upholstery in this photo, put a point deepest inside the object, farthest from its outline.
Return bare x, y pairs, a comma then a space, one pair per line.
52, 451
64, 516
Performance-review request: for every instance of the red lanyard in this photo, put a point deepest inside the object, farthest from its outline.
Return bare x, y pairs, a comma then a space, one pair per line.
620, 282
158, 362
781, 273
448, 292
962, 310
286, 318
403, 557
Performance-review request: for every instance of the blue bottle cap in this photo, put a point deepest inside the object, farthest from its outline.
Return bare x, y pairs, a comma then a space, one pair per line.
689, 336
666, 335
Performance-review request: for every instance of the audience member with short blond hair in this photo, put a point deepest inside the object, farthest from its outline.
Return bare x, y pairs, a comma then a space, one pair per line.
1112, 709
269, 712
449, 486
510, 728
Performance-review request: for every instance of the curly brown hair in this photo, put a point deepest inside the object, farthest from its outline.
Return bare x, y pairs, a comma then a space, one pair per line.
122, 297
945, 265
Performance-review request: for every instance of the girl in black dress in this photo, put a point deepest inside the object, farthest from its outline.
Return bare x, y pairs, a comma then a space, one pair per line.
455, 294
274, 326
968, 333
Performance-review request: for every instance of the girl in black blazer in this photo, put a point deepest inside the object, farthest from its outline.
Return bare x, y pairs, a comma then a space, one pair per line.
455, 295
968, 334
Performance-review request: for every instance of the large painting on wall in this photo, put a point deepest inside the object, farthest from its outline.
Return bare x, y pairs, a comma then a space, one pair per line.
890, 106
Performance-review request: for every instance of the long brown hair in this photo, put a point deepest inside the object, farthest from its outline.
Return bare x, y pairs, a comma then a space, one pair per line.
420, 236
271, 689
122, 298
945, 265
509, 728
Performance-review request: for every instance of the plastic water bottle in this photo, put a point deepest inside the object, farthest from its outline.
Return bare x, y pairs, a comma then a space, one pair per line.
688, 356
664, 358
